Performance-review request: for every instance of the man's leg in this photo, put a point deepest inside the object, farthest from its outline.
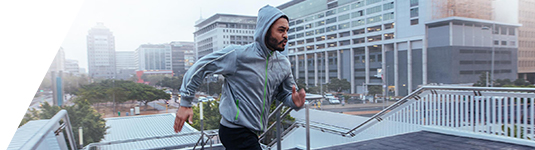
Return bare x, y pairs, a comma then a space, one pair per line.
238, 138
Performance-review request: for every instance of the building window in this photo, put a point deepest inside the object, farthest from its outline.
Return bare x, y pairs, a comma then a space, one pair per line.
299, 35
512, 43
321, 15
504, 42
414, 3
311, 40
374, 38
298, 21
346, 42
496, 42
331, 44
309, 33
374, 28
343, 8
344, 34
320, 38
300, 42
308, 26
414, 21
320, 23
330, 12
374, 19
343, 17
511, 31
369, 2
331, 28
388, 6
309, 18
331, 20
358, 40
373, 10
389, 36
503, 31
359, 31
320, 46
343, 26
357, 14
358, 23
299, 28
357, 5
388, 16
320, 31
389, 26
414, 12
310, 47
332, 36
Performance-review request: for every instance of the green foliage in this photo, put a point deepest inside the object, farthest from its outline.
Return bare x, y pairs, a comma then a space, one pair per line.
374, 89
211, 115
515, 132
301, 84
173, 82
153, 79
72, 83
338, 85
520, 82
81, 114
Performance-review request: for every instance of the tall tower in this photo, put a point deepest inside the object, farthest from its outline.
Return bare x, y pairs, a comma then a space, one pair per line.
101, 52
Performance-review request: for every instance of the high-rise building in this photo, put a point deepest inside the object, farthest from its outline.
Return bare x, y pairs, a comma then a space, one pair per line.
154, 57
126, 64
101, 52
398, 44
216, 32
71, 66
526, 40
179, 59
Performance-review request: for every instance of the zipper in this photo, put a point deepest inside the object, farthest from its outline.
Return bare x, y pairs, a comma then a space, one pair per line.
265, 91
238, 108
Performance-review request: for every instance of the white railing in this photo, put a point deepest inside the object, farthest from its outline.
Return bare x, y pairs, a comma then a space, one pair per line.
506, 112
57, 124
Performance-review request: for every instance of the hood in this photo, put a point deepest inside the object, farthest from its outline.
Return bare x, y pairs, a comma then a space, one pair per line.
267, 15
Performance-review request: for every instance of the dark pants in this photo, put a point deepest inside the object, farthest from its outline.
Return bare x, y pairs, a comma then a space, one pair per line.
238, 138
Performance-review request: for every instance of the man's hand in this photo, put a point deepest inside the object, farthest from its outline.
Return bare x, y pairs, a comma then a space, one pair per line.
182, 114
298, 97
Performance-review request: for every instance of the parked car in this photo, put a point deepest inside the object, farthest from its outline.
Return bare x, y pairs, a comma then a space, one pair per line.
334, 101
203, 99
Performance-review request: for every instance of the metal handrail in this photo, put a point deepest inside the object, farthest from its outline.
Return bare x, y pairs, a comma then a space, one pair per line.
477, 91
38, 138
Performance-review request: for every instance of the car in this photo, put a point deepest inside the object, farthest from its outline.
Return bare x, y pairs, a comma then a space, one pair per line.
203, 99
334, 101
210, 98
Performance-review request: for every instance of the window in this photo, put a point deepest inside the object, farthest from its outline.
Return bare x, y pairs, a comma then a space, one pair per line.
496, 42
321, 15
309, 33
308, 26
504, 42
309, 18
511, 31
291, 30
331, 20
375, 19
330, 12
414, 3
374, 38
373, 10
374, 28
320, 38
388, 6
414, 12
311, 40
344, 34
414, 21
358, 23
346, 42
343, 17
359, 31
300, 42
320, 46
290, 37
503, 31
512, 43
389, 26
331, 44
310, 47
368, 2
298, 21
331, 28
343, 26
299, 28
389, 36
332, 5
332, 36
320, 31
388, 16
357, 5
299, 35
343, 8
320, 23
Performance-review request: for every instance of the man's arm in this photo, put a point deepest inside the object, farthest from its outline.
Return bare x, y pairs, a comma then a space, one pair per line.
219, 62
287, 93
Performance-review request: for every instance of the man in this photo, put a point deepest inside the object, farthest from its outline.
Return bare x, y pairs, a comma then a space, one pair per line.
255, 75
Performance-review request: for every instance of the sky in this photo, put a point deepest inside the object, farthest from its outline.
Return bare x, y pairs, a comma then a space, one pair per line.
136, 22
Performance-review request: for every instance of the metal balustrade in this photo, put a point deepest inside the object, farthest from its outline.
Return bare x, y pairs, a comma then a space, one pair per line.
507, 112
57, 124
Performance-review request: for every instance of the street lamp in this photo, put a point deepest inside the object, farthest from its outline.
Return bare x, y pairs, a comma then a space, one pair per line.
492, 57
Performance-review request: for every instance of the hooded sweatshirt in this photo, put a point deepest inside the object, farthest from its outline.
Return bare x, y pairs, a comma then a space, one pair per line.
254, 77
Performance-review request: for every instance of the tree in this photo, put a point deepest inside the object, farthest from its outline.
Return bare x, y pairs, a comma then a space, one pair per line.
482, 80
211, 115
338, 85
81, 114
153, 79
521, 82
171, 82
374, 89
301, 84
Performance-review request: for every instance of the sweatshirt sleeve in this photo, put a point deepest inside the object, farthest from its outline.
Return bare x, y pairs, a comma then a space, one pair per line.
219, 62
284, 92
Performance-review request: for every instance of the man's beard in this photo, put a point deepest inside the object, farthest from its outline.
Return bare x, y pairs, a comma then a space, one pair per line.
273, 43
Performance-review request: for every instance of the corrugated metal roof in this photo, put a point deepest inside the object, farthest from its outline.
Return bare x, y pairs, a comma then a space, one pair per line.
146, 132
28, 131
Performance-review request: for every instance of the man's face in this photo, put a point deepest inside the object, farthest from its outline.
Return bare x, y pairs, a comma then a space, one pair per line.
277, 35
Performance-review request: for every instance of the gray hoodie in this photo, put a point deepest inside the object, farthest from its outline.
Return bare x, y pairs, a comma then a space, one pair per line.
254, 77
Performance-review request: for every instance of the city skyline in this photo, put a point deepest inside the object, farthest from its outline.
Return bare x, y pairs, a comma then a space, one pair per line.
134, 23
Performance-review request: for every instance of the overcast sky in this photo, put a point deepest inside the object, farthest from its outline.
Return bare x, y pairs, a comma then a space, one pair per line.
136, 22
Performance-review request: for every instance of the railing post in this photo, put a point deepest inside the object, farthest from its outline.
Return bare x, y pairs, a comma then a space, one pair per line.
307, 127
278, 127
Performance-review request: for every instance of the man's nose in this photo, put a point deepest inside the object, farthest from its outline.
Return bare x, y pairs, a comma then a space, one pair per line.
285, 35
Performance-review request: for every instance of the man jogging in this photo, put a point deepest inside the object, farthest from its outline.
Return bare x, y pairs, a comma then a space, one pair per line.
255, 75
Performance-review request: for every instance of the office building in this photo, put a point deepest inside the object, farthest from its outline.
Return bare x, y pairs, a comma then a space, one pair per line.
216, 32
408, 43
126, 64
153, 57
101, 52
180, 59
526, 40
71, 66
